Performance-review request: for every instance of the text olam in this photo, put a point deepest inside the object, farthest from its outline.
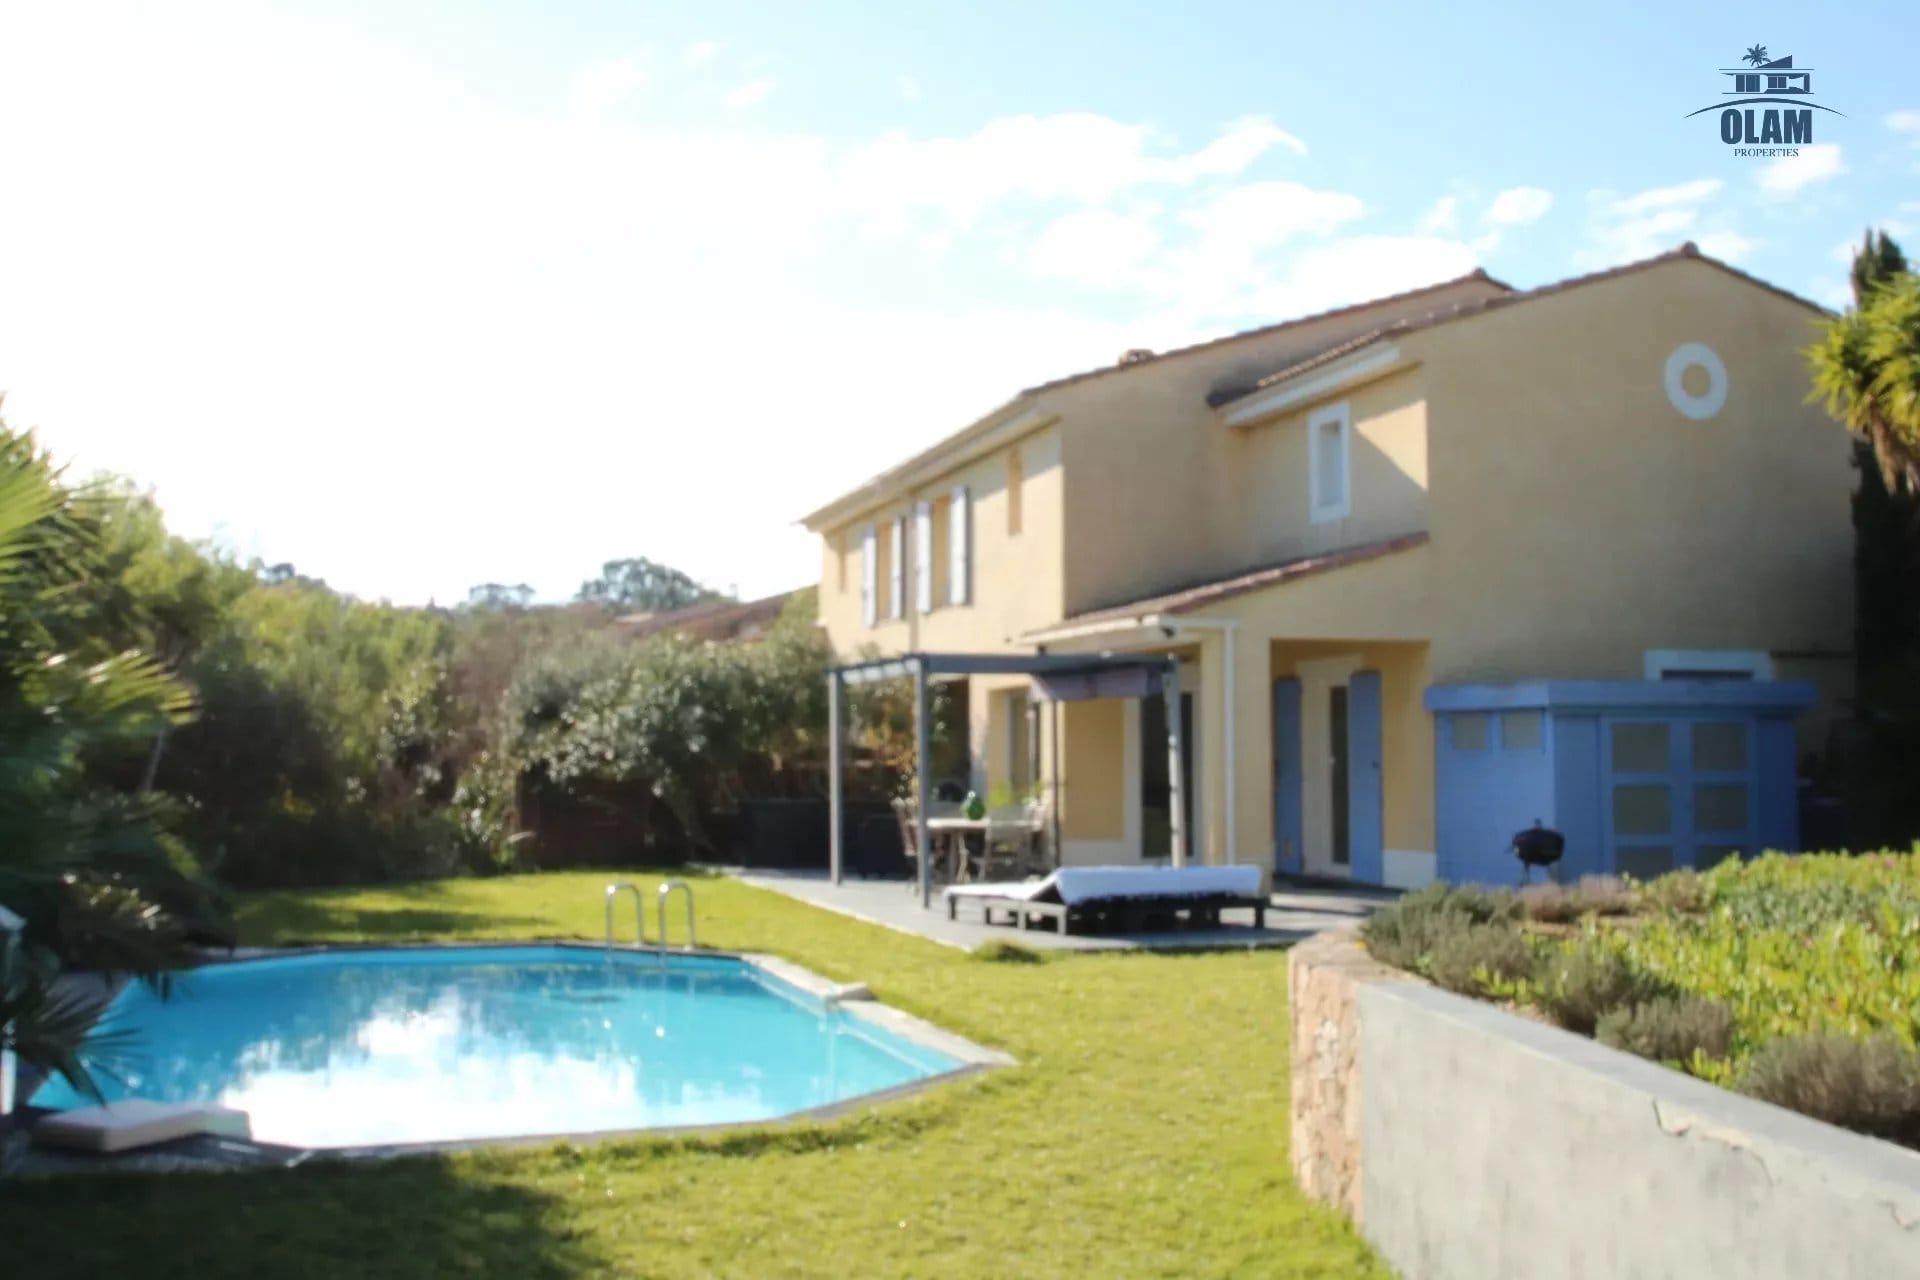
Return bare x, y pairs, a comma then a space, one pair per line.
1775, 126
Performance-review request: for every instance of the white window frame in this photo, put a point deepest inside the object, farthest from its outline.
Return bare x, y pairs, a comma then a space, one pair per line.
959, 548
869, 576
1755, 664
897, 571
923, 557
1319, 509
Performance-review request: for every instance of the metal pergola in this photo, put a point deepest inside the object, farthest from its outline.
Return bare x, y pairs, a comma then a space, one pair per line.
924, 667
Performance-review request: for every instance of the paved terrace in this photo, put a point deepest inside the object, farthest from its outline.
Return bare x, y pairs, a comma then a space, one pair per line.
1296, 912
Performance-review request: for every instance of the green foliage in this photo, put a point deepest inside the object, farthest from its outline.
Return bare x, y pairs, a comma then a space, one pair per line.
1552, 903
1580, 984
1870, 1085
1477, 960
1683, 891
641, 585
1674, 1029
1866, 368
86, 866
1799, 944
1405, 931
691, 721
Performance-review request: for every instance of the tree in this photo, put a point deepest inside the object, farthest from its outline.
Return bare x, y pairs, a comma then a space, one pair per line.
89, 870
642, 586
1866, 365
498, 595
1886, 522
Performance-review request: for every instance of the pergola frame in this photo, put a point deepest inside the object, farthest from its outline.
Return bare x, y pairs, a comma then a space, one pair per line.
923, 667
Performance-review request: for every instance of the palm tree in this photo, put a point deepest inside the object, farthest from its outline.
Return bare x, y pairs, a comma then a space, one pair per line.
1756, 55
1866, 366
88, 877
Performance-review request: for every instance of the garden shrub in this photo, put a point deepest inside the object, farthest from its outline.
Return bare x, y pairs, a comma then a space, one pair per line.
1000, 951
1669, 1029
1580, 984
1683, 892
1404, 932
1870, 1085
1554, 903
1475, 959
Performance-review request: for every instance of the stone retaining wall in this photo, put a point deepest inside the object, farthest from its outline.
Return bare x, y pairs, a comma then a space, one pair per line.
1470, 1143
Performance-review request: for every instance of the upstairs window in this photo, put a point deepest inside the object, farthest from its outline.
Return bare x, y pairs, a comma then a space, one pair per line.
869, 576
923, 557
1328, 464
897, 569
959, 534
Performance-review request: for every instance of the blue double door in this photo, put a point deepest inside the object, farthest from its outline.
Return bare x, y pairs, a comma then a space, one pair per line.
1338, 752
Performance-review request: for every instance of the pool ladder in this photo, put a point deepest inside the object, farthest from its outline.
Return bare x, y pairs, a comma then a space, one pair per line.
666, 891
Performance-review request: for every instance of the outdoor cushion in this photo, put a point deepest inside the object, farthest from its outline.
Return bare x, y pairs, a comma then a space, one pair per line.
136, 1122
1075, 885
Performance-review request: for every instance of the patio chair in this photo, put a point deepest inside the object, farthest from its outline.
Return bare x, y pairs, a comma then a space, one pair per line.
1015, 844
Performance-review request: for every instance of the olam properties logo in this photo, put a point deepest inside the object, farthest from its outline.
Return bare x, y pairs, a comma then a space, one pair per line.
1770, 112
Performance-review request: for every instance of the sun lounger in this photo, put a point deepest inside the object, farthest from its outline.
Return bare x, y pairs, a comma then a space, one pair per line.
1118, 899
136, 1122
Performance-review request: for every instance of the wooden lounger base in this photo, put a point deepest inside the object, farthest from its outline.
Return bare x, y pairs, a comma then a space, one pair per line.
1112, 915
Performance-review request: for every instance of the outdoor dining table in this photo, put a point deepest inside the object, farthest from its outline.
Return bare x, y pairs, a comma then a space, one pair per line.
952, 831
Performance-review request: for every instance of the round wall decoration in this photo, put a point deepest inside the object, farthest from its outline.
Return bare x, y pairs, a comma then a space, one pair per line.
1687, 357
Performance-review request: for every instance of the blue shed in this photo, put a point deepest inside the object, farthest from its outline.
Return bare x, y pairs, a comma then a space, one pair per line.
1641, 776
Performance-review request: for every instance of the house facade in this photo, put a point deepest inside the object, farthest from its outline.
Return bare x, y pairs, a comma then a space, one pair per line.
1345, 525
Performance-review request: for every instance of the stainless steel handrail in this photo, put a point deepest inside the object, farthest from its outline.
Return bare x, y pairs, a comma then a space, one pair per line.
639, 913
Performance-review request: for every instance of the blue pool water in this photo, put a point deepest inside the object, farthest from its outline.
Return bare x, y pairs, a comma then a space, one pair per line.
372, 1047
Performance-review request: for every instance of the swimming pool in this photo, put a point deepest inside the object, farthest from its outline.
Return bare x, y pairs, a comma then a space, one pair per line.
380, 1047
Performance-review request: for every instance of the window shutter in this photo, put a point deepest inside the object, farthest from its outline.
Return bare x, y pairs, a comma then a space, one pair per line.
869, 577
959, 536
923, 556
897, 601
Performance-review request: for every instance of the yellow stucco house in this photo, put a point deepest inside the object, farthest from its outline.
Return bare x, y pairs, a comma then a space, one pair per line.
1436, 567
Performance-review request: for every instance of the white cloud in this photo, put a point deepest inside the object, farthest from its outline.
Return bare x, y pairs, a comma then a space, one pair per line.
750, 94
1079, 157
1093, 247
1627, 228
1517, 206
1259, 214
1815, 162
700, 52
485, 311
601, 86
1907, 122
909, 88
1443, 217
1684, 193
1729, 246
1357, 268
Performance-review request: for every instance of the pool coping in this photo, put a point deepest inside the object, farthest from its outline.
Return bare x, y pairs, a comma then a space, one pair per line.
853, 999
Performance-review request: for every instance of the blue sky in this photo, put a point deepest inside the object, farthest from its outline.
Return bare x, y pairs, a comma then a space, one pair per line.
419, 296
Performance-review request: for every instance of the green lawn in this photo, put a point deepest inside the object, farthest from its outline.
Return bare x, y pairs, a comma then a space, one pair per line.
1143, 1134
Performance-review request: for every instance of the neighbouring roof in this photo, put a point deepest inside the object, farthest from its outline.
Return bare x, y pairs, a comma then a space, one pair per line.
1201, 595
1134, 361
714, 620
1411, 324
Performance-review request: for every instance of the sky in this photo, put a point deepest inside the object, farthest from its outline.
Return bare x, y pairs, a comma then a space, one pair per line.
416, 296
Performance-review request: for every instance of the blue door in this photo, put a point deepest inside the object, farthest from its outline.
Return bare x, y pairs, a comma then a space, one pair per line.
1365, 818
1288, 777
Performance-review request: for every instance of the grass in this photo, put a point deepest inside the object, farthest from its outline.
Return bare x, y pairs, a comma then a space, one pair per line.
1144, 1134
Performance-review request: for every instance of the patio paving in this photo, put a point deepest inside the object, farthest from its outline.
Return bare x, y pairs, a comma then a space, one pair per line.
1296, 912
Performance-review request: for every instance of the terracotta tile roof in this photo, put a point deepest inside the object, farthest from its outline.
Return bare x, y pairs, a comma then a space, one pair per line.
1202, 594
712, 620
1411, 324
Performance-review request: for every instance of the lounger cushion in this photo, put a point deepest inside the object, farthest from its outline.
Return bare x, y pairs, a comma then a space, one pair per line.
1076, 885
136, 1122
